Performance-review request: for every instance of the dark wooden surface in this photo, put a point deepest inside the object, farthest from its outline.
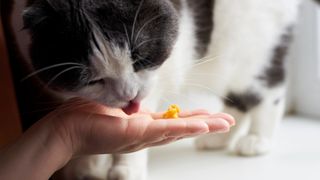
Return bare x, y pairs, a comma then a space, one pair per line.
34, 101
10, 125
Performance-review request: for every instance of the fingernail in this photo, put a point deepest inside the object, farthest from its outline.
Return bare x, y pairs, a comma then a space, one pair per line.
223, 130
203, 131
228, 118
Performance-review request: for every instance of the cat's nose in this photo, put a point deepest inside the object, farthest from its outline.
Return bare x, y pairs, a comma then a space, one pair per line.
128, 97
124, 90
127, 94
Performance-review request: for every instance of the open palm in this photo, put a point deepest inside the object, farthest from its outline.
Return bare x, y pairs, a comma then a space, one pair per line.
90, 128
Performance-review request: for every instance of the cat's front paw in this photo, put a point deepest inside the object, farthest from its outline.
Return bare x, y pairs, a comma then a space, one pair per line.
122, 172
252, 145
211, 142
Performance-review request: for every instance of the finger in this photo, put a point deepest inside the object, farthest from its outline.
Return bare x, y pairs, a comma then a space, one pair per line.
216, 126
159, 115
230, 119
194, 113
169, 128
185, 127
224, 116
200, 124
212, 124
164, 142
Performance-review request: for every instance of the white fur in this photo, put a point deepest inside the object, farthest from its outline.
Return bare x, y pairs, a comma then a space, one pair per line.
87, 167
129, 166
114, 64
171, 75
246, 33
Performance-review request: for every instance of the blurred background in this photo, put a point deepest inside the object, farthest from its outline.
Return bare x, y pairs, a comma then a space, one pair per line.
304, 63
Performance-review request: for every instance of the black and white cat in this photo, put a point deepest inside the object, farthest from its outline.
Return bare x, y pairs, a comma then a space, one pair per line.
125, 52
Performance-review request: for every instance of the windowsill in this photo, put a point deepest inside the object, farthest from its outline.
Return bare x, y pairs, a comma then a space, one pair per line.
296, 155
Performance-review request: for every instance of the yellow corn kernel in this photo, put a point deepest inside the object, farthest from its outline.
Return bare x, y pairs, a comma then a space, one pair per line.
172, 112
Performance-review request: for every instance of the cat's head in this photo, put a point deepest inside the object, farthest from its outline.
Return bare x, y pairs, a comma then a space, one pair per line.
103, 50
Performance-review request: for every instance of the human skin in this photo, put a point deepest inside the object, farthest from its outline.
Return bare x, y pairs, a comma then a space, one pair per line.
81, 127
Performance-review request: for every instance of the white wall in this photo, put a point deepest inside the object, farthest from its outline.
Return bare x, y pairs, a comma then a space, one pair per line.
304, 63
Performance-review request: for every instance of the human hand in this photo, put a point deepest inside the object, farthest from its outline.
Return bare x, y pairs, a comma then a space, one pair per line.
89, 128
81, 127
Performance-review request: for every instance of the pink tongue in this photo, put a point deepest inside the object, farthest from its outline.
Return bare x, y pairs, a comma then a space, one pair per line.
132, 108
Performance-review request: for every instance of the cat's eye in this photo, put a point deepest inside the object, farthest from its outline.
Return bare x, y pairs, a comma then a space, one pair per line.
140, 65
143, 64
94, 82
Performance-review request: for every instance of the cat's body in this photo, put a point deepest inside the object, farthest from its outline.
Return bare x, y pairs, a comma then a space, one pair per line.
243, 62
243, 43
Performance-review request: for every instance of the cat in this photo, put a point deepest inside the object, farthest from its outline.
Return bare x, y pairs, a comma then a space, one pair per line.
124, 53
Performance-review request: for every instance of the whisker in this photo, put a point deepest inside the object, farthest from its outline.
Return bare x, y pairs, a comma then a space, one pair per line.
140, 57
64, 108
201, 61
50, 67
72, 107
208, 89
146, 41
127, 35
98, 36
150, 62
204, 61
144, 25
144, 59
62, 72
135, 20
204, 58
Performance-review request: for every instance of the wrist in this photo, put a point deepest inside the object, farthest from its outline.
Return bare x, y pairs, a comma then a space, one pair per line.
58, 149
36, 155
53, 149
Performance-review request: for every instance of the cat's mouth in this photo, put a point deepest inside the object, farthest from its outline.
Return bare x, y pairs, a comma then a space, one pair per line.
132, 107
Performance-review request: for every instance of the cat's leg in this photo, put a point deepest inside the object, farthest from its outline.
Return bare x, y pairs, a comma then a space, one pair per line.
129, 166
222, 141
264, 120
85, 168
270, 86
